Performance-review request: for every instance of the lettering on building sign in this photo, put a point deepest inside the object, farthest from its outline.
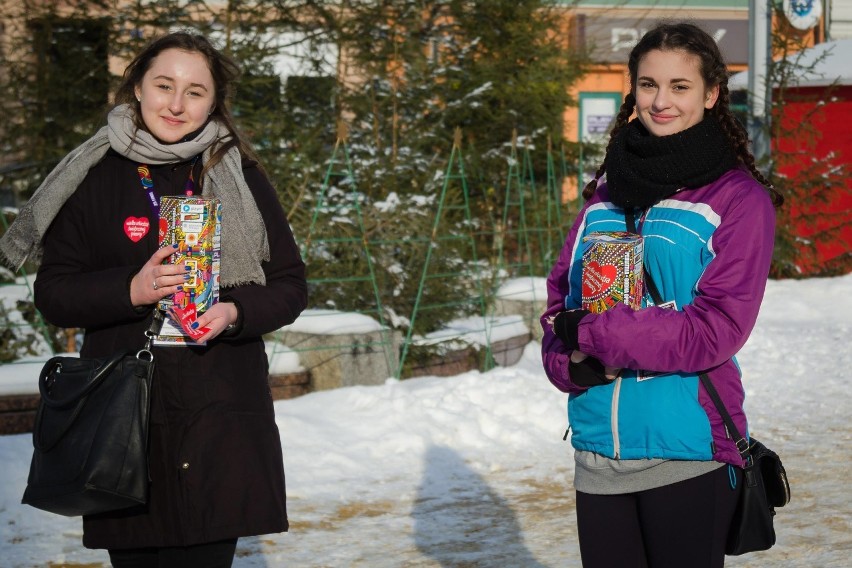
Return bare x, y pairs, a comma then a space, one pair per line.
598, 124
615, 37
626, 38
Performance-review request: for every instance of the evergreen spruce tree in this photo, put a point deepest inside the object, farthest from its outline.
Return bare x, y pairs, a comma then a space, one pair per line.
409, 73
423, 69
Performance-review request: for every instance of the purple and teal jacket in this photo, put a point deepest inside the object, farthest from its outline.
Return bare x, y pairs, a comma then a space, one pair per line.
708, 250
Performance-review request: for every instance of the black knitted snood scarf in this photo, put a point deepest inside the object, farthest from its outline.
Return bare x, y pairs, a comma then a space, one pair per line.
642, 169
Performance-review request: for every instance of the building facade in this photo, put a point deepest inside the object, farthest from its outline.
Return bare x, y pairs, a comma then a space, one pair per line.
839, 19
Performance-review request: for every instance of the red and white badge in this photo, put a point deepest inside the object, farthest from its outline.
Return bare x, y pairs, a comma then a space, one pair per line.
136, 227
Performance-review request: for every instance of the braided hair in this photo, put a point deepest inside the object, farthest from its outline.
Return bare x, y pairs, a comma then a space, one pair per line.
691, 39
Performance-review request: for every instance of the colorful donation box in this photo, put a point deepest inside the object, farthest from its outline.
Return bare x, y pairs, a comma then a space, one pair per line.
612, 270
194, 224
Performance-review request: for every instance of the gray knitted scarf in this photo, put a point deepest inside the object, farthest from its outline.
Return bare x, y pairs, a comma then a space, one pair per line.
244, 240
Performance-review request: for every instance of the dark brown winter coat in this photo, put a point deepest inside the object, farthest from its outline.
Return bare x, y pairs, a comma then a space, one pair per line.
215, 455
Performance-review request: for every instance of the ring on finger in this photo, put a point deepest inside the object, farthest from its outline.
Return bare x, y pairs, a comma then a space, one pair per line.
155, 285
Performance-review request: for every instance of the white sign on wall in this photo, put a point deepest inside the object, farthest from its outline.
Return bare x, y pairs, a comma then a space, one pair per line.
596, 116
803, 14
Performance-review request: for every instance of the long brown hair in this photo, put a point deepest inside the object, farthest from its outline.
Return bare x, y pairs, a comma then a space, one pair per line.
691, 39
223, 69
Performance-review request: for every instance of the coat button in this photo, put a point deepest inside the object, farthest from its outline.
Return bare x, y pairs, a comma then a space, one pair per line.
184, 465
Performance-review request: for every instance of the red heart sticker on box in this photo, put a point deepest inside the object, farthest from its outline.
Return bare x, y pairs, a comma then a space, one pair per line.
164, 228
597, 279
136, 227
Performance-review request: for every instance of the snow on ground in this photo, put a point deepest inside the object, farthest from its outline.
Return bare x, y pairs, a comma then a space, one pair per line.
472, 470
530, 289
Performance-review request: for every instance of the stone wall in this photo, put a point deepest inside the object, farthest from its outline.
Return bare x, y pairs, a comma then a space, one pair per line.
342, 360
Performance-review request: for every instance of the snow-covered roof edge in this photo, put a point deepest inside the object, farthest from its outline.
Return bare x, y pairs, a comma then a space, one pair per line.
835, 66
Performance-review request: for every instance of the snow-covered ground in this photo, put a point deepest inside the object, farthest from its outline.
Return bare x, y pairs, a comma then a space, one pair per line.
472, 470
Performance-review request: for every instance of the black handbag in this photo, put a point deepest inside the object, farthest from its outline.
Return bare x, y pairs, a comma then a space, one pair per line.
90, 437
764, 487
765, 484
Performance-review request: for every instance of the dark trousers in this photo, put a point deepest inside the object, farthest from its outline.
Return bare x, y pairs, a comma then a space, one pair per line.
210, 555
682, 524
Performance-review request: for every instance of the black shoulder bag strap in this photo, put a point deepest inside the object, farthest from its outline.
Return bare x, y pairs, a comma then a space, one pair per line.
742, 443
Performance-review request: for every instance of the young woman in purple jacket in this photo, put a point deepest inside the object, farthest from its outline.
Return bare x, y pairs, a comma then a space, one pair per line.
657, 477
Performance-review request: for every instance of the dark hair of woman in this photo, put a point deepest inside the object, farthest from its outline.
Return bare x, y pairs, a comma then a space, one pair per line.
690, 39
223, 69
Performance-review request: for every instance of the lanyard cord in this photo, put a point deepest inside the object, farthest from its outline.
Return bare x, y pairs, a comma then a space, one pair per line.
148, 184
148, 187
189, 186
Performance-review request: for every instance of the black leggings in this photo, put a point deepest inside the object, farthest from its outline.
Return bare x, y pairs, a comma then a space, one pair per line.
210, 555
682, 524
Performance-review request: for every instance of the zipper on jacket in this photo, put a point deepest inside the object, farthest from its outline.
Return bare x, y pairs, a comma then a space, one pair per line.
616, 444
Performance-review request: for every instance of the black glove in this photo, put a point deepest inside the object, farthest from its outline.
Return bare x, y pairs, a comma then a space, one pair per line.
588, 373
565, 326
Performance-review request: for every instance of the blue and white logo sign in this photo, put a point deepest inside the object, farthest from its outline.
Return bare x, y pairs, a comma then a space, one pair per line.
803, 14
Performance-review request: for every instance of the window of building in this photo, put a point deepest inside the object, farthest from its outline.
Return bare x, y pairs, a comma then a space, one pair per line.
72, 70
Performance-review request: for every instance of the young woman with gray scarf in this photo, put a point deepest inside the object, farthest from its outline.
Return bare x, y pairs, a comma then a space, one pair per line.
216, 466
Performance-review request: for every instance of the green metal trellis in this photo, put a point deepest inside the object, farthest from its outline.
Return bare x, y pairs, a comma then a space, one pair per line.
454, 172
340, 171
555, 233
533, 206
514, 250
